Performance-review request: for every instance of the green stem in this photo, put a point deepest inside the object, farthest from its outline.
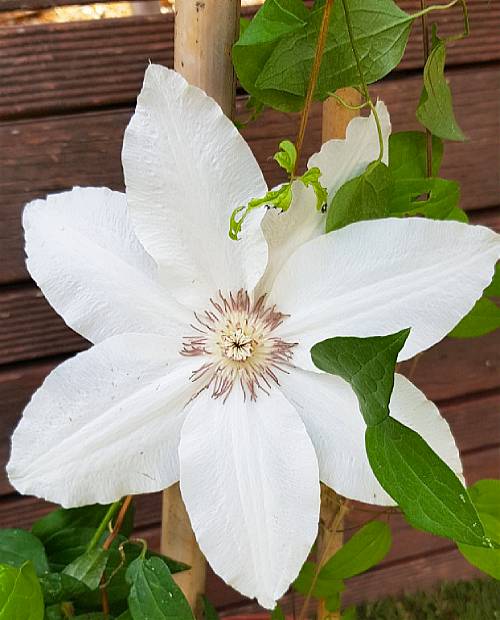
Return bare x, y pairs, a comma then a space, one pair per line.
428, 134
363, 85
436, 7
346, 105
112, 510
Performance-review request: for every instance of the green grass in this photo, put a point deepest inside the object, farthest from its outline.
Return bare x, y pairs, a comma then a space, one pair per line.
467, 600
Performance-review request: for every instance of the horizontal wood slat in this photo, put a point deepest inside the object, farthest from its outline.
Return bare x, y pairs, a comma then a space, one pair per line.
59, 67
49, 155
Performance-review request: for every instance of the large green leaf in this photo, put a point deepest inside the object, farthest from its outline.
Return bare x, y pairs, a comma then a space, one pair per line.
425, 488
88, 517
482, 319
274, 55
59, 587
18, 546
435, 109
367, 548
434, 198
366, 197
367, 364
154, 595
89, 567
209, 611
277, 614
66, 545
485, 495
408, 155
493, 290
20, 593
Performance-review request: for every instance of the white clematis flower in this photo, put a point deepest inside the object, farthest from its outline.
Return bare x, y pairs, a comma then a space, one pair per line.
200, 369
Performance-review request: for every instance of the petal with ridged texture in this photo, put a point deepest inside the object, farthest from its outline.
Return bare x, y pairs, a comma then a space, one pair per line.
377, 277
329, 409
186, 169
249, 479
104, 424
84, 255
285, 231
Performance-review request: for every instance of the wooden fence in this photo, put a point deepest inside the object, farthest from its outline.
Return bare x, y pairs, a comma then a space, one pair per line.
67, 92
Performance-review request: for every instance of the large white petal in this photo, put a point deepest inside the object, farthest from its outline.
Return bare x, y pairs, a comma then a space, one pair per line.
104, 424
285, 231
249, 479
85, 257
378, 277
186, 169
342, 160
330, 411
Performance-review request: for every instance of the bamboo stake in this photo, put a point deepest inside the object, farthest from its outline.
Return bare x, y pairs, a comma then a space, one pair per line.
205, 31
336, 117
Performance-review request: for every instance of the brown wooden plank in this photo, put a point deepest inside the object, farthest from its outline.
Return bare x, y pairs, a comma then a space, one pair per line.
55, 67
50, 155
14, 5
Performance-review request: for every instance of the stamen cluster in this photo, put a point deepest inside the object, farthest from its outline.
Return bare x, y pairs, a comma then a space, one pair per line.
235, 335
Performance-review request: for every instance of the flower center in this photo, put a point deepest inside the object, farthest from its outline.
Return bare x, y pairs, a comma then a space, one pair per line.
236, 338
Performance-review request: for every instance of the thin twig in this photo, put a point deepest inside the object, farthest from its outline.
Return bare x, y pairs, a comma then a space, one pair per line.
318, 57
118, 524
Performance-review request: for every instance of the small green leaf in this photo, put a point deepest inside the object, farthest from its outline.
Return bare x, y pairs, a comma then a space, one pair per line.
425, 488
365, 549
435, 109
280, 198
154, 595
18, 546
367, 364
311, 178
485, 496
408, 155
277, 613
286, 156
20, 593
365, 197
209, 611
89, 567
482, 319
59, 587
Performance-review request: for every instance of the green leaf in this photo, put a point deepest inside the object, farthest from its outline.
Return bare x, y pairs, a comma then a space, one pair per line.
425, 488
367, 364
349, 614
434, 198
274, 55
408, 155
59, 587
88, 517
209, 611
435, 109
280, 198
485, 495
323, 588
365, 549
126, 615
89, 567
277, 614
365, 197
18, 546
286, 156
65, 546
20, 593
482, 319
154, 595
493, 290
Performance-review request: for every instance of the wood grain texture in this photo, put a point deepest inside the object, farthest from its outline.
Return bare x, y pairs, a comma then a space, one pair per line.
59, 67
52, 154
